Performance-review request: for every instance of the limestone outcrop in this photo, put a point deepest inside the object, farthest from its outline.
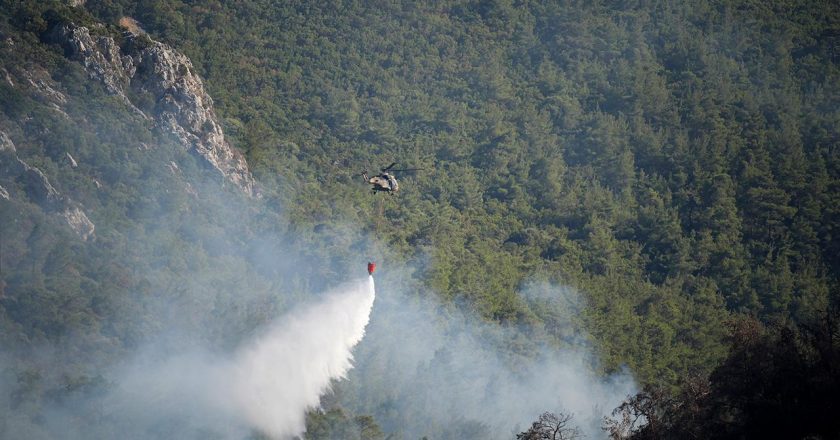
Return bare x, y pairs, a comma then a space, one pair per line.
182, 107
39, 190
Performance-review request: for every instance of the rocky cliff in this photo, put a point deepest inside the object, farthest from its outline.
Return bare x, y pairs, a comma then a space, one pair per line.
141, 67
39, 189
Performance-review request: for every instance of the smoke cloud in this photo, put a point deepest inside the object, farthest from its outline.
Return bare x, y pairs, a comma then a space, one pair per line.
450, 375
264, 387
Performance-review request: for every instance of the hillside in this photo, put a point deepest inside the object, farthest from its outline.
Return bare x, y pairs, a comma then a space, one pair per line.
658, 158
676, 167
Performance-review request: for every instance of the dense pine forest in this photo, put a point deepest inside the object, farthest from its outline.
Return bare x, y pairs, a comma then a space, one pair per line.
676, 165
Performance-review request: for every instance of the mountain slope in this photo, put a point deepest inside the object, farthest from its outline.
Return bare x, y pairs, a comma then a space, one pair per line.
675, 164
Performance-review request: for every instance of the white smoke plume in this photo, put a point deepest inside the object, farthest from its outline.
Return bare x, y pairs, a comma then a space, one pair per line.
266, 387
450, 375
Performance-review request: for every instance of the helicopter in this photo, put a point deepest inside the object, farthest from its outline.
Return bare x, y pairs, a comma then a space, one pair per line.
386, 181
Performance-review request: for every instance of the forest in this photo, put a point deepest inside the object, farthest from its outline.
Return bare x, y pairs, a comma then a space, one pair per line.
675, 164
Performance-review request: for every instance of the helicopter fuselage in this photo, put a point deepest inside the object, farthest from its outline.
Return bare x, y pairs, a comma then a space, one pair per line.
383, 182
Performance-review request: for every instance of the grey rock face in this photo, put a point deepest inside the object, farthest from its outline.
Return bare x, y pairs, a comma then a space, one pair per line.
182, 105
38, 186
100, 56
79, 222
7, 77
44, 88
6, 144
186, 110
39, 189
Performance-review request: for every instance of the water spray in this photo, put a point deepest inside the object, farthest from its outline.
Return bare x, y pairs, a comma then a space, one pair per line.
286, 371
268, 385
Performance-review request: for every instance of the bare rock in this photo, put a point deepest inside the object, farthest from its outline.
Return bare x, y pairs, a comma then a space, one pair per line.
185, 109
44, 87
39, 189
6, 144
72, 161
182, 105
7, 77
79, 222
100, 55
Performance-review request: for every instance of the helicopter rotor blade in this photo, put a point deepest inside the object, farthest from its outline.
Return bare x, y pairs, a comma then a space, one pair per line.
388, 167
408, 169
